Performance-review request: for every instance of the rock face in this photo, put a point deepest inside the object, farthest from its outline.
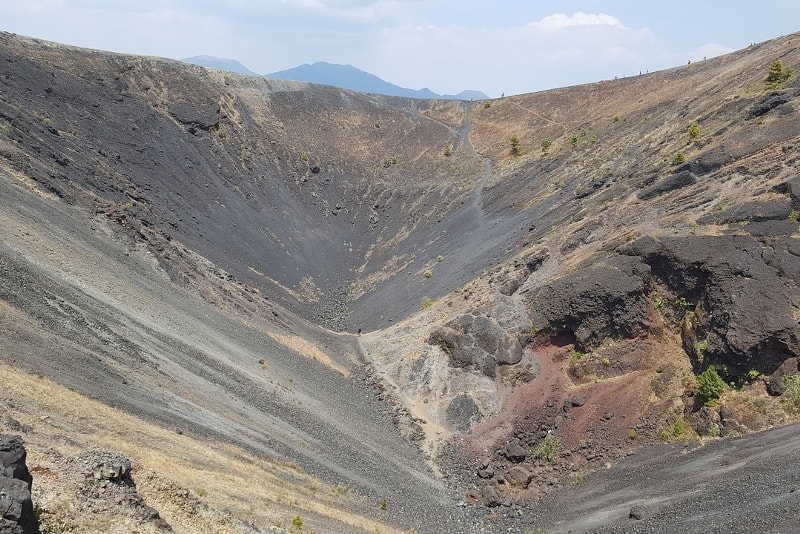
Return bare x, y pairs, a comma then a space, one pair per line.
607, 299
741, 304
16, 505
477, 342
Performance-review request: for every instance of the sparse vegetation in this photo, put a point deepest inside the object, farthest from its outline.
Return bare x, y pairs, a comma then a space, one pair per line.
427, 302
677, 431
383, 504
679, 158
304, 155
794, 216
778, 74
709, 386
516, 146
574, 140
791, 395
297, 523
439, 259
487, 104
681, 303
428, 273
548, 449
448, 150
694, 132
546, 144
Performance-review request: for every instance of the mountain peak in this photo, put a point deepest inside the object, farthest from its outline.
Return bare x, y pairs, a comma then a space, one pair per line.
350, 77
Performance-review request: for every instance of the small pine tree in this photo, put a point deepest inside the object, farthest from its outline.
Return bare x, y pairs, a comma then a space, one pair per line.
709, 385
694, 132
516, 146
777, 74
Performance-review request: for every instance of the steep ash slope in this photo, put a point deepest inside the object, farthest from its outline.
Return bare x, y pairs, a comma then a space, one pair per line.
180, 242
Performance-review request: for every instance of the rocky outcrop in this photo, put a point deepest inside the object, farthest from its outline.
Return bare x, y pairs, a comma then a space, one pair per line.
670, 183
110, 488
750, 211
203, 115
16, 506
606, 299
741, 306
477, 342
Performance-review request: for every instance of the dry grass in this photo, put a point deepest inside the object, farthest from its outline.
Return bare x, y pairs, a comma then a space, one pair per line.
196, 485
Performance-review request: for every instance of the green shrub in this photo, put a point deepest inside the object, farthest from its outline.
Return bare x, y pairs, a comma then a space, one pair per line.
546, 144
709, 386
679, 158
794, 216
574, 140
516, 146
448, 150
547, 449
427, 302
297, 522
487, 103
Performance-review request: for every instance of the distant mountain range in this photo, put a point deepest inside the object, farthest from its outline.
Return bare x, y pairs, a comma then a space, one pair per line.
345, 76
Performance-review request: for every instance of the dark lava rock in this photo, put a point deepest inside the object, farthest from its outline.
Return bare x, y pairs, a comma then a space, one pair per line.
706, 421
667, 184
776, 385
12, 459
16, 506
462, 412
744, 309
477, 342
778, 209
606, 299
204, 115
519, 476
767, 104
708, 162
771, 228
791, 188
491, 496
514, 451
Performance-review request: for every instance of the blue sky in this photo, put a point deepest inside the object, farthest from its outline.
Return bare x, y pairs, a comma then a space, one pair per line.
500, 46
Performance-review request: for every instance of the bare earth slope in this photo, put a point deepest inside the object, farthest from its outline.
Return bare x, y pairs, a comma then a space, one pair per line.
190, 253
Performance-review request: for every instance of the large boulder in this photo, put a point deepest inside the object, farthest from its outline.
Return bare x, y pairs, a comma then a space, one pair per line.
16, 506
605, 299
477, 342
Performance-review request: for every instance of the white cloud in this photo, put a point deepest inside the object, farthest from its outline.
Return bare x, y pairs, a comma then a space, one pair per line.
560, 21
543, 54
